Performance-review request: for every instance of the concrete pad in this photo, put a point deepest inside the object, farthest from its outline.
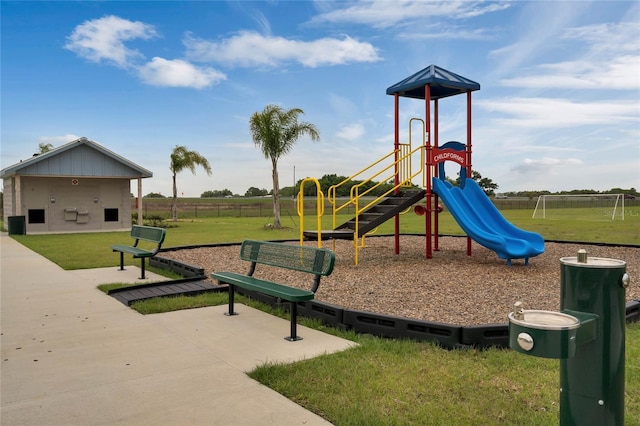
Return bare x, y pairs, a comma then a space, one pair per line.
71, 355
224, 396
248, 339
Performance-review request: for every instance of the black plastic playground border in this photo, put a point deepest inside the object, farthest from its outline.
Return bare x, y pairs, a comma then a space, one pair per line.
382, 325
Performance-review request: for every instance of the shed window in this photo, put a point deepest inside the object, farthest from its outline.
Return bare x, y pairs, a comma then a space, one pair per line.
110, 215
36, 215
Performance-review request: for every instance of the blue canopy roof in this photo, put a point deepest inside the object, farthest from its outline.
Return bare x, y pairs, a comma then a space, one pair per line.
442, 83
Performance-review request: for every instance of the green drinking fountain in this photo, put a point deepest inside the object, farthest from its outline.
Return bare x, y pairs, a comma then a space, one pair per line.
587, 336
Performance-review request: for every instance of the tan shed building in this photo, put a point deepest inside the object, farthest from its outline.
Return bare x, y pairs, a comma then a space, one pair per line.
80, 186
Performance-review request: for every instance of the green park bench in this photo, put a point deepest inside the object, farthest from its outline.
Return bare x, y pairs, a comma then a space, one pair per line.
146, 233
316, 261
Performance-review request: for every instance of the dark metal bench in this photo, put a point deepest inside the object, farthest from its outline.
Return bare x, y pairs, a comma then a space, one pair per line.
316, 261
146, 233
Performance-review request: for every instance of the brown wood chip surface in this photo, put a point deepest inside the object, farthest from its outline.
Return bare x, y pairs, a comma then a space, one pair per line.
451, 288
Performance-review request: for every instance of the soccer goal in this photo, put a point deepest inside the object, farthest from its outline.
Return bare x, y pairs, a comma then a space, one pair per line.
580, 207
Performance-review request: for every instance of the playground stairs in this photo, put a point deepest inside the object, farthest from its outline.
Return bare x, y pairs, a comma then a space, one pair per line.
371, 218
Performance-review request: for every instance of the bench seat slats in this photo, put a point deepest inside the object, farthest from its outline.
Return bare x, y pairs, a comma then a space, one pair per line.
291, 294
137, 252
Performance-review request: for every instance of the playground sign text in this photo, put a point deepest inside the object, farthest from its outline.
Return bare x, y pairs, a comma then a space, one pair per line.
448, 155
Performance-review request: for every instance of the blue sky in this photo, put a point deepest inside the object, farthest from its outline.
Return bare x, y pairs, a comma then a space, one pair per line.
558, 109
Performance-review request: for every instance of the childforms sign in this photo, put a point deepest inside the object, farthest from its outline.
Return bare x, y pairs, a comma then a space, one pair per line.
438, 156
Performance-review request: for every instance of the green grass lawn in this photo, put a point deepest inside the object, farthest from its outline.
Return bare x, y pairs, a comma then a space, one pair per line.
403, 382
91, 250
387, 381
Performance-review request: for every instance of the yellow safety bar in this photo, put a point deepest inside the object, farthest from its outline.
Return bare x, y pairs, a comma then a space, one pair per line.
319, 209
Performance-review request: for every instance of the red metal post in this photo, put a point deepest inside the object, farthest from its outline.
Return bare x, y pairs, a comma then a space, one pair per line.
469, 155
427, 123
436, 144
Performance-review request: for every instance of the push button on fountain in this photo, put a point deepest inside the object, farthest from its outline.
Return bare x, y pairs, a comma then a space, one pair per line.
525, 341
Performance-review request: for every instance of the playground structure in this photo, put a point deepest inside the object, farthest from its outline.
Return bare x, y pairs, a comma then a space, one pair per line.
471, 208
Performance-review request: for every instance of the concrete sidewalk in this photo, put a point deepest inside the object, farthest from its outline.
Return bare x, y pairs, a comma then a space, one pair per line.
73, 356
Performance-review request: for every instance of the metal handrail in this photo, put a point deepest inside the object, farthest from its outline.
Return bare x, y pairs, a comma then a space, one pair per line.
355, 195
319, 209
401, 166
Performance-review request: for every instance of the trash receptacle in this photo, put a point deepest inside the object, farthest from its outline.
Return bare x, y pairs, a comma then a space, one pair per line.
17, 225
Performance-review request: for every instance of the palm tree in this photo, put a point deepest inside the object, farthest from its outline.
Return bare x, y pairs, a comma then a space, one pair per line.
44, 147
275, 130
182, 158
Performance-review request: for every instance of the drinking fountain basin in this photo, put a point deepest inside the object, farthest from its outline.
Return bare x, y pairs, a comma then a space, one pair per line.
545, 334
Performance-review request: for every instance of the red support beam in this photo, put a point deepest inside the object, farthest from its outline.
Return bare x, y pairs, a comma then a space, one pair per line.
469, 171
436, 144
427, 124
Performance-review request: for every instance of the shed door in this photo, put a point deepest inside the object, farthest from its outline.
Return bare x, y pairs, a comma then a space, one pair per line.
35, 206
113, 213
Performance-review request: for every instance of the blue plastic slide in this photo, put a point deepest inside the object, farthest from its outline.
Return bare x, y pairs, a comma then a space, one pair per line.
483, 222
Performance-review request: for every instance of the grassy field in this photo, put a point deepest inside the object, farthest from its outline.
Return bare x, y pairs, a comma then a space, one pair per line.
190, 208
387, 381
95, 251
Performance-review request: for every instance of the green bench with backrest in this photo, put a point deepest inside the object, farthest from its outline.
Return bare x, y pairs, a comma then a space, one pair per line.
141, 233
316, 261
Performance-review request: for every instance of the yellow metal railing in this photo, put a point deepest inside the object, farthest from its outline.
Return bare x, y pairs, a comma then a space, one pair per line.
319, 209
357, 192
406, 168
397, 163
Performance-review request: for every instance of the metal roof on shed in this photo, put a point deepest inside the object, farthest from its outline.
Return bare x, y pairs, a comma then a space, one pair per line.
442, 83
81, 157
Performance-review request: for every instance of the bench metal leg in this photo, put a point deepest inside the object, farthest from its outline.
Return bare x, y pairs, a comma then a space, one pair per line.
294, 315
121, 261
142, 267
232, 293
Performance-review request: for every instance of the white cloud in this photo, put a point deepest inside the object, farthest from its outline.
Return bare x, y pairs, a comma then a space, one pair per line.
103, 39
58, 139
555, 113
545, 165
602, 37
178, 73
262, 21
610, 61
539, 26
249, 48
543, 148
384, 14
621, 73
447, 32
351, 132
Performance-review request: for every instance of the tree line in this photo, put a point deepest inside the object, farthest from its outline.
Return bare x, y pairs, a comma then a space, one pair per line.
329, 180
